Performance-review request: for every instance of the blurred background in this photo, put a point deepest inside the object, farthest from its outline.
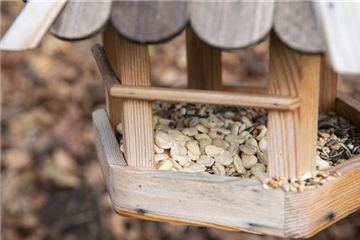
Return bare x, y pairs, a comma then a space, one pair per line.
52, 184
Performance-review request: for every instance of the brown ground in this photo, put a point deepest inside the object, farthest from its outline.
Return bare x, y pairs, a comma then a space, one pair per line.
52, 185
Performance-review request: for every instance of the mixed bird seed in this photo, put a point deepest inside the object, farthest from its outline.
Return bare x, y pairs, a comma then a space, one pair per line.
232, 141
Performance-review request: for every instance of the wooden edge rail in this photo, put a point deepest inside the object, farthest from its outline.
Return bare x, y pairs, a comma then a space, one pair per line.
106, 71
205, 97
222, 202
348, 107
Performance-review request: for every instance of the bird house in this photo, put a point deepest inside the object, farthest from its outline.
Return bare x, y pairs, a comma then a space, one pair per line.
310, 43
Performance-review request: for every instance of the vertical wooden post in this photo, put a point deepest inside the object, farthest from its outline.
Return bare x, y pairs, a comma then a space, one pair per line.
328, 87
131, 63
113, 105
204, 64
292, 134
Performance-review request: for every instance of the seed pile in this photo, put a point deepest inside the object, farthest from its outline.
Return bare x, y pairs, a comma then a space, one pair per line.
232, 141
338, 140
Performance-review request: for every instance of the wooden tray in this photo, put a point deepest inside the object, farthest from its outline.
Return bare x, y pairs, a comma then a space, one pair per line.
222, 202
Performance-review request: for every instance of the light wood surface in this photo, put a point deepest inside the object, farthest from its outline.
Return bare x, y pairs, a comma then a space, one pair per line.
348, 107
204, 66
312, 211
133, 64
245, 87
149, 21
339, 21
328, 87
223, 202
292, 135
205, 97
109, 71
31, 25
231, 24
295, 24
81, 19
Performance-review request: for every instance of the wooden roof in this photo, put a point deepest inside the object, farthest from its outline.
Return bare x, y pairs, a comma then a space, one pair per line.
307, 26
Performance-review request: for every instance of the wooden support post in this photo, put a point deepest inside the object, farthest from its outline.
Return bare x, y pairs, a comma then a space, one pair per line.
292, 134
328, 87
113, 105
204, 64
133, 66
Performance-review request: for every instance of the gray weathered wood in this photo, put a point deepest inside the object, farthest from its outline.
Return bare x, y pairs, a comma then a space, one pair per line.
340, 24
295, 24
231, 24
147, 22
81, 19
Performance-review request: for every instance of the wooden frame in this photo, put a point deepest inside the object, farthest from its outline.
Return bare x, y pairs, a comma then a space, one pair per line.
223, 202
227, 202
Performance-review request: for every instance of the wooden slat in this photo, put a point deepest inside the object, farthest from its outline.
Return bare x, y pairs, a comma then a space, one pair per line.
205, 97
81, 19
292, 135
106, 70
31, 25
328, 87
312, 211
224, 202
340, 24
245, 88
348, 107
295, 24
149, 21
113, 105
231, 24
204, 66
133, 64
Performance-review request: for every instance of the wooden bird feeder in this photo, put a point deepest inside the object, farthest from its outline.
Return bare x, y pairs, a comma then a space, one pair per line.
300, 84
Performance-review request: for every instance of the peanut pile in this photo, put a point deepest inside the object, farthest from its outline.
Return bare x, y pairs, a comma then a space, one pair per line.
232, 141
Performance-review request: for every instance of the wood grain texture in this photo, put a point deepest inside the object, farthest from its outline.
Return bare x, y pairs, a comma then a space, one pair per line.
108, 68
348, 107
292, 135
204, 66
312, 211
107, 149
81, 19
245, 88
205, 97
231, 24
149, 21
340, 24
133, 64
31, 25
328, 87
223, 202
295, 24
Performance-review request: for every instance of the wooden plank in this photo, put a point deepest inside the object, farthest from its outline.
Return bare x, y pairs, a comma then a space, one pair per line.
149, 21
295, 24
348, 107
312, 211
133, 63
340, 24
113, 105
245, 88
81, 19
231, 24
292, 135
204, 66
328, 87
205, 97
107, 147
31, 25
